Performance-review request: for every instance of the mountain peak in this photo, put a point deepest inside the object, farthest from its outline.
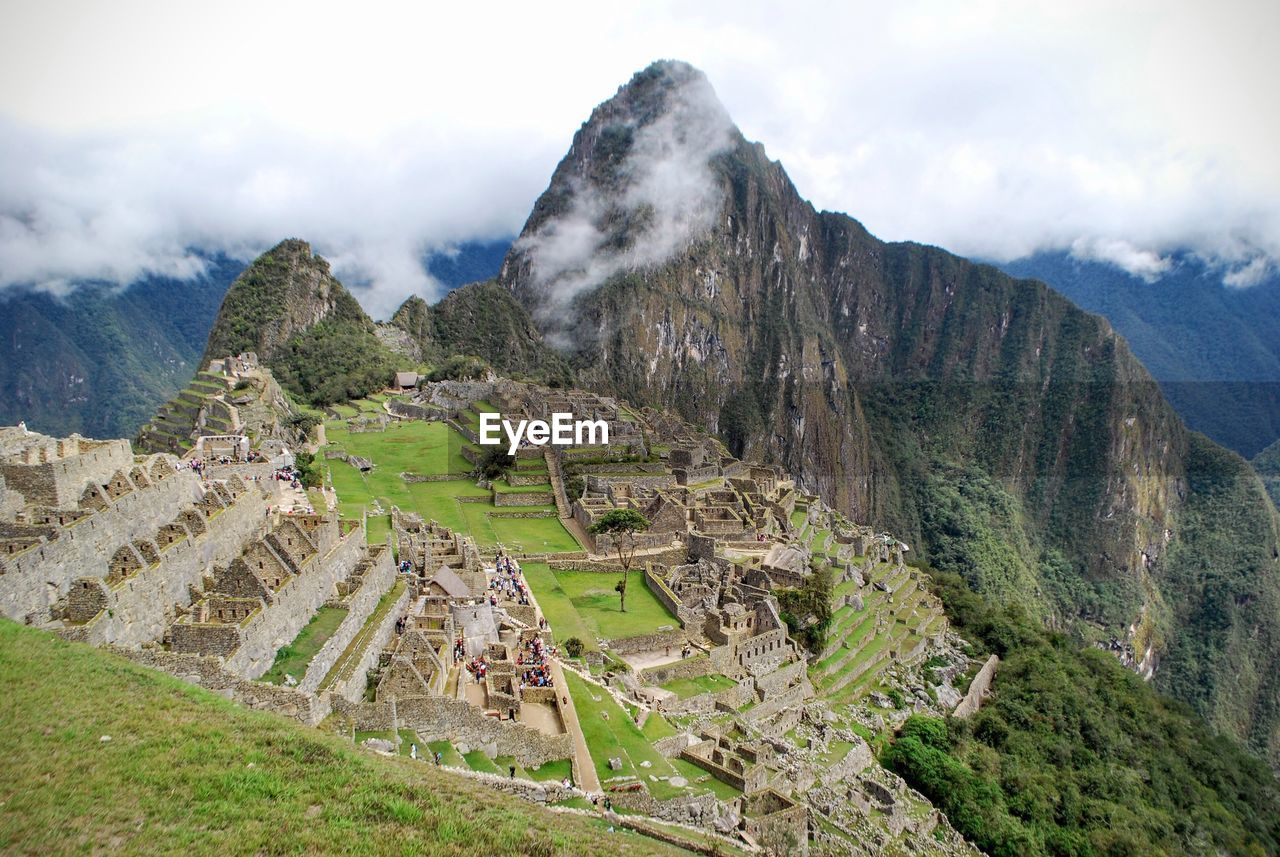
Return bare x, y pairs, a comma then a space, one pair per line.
637, 186
285, 290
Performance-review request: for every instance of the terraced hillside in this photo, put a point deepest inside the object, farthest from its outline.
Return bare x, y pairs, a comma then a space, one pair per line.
201, 404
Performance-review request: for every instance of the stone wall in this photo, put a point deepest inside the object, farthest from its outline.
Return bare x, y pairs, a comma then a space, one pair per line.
794, 695
141, 606
525, 478
39, 576
295, 603
60, 483
599, 483
523, 498
857, 760
360, 605
544, 792
692, 667
653, 580
437, 718
208, 672
673, 638
409, 411
781, 678
351, 688
977, 689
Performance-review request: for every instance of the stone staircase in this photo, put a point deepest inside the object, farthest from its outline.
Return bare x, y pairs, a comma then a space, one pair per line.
557, 484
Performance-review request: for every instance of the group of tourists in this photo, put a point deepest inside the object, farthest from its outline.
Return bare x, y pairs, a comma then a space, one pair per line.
478, 667
533, 657
287, 474
406, 567
508, 582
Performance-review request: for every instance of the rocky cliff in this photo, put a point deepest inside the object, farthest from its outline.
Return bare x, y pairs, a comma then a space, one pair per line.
481, 319
1012, 436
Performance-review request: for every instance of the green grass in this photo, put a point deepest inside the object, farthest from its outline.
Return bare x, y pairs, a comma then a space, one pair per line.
187, 771
687, 687
619, 736
432, 449
294, 658
592, 597
448, 755
552, 771
556, 605
478, 761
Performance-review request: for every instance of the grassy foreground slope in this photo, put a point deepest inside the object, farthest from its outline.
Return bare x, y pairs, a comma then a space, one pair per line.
188, 771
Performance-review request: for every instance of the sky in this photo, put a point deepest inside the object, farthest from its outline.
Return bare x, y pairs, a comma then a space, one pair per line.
132, 134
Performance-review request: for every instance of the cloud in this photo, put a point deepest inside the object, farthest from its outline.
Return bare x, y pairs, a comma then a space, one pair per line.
1145, 264
990, 129
1250, 274
662, 195
112, 208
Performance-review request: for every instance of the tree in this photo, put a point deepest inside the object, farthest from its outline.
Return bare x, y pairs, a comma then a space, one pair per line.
622, 524
573, 647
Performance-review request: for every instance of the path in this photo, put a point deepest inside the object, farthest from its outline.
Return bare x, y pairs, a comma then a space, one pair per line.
584, 768
587, 778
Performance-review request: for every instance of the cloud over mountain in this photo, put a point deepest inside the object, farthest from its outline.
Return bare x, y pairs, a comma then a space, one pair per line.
991, 130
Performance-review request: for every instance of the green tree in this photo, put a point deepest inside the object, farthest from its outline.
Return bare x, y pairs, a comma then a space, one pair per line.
622, 524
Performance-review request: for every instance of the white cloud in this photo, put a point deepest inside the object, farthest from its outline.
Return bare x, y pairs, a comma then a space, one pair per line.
666, 196
1145, 264
1249, 274
131, 132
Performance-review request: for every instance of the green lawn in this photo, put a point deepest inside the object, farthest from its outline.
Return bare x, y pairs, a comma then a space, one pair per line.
687, 687
592, 596
619, 736
432, 449
448, 755
186, 771
294, 658
556, 605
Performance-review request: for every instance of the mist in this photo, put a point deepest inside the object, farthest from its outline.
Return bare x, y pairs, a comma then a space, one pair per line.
143, 134
666, 196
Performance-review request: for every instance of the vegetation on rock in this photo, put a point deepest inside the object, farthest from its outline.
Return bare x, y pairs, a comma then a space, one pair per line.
1075, 755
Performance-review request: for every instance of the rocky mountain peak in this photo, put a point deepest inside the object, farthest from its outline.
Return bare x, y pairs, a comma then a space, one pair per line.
639, 183
284, 291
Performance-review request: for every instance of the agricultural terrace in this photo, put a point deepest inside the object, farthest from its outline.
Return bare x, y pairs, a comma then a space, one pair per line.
432, 449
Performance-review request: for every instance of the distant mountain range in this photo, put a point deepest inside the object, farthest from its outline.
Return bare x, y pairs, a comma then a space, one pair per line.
102, 359
1215, 350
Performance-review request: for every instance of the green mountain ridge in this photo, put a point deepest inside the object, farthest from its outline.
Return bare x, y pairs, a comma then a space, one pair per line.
100, 359
1214, 349
1007, 434
304, 325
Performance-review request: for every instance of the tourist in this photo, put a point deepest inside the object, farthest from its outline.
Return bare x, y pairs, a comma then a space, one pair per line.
413, 751
513, 771
439, 757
